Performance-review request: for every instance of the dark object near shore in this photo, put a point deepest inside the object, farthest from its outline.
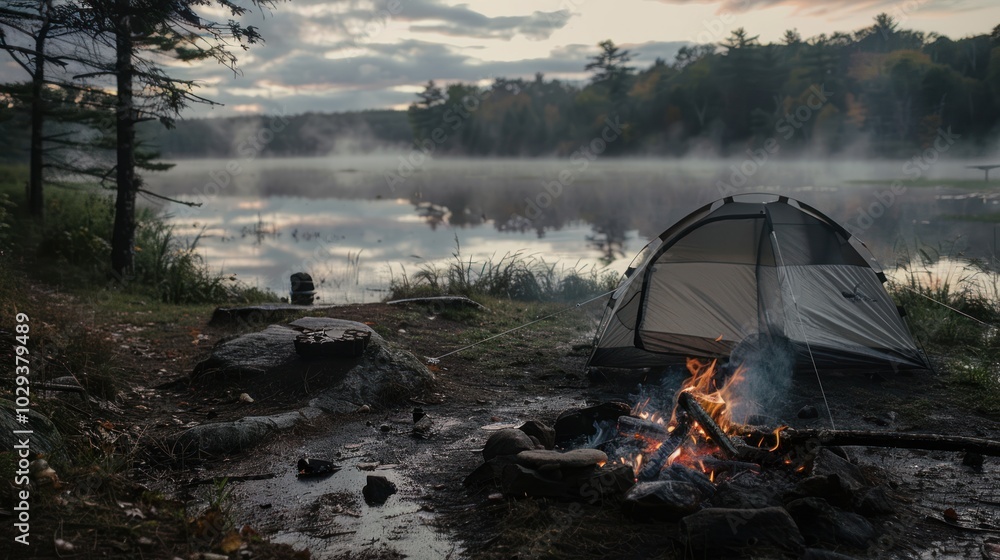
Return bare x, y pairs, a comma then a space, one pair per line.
303, 291
351, 344
316, 467
378, 490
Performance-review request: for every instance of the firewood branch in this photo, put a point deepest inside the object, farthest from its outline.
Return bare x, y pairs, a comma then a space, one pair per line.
929, 442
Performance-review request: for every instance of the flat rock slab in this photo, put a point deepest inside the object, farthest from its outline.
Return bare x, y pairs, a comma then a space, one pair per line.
265, 363
232, 437
257, 315
440, 303
575, 459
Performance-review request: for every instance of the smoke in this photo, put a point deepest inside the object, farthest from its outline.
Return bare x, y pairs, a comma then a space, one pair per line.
767, 362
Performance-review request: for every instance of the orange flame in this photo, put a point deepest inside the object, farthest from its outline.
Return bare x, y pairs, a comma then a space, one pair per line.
712, 397
777, 437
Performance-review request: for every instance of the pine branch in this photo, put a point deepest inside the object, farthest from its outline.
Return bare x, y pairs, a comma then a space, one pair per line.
168, 199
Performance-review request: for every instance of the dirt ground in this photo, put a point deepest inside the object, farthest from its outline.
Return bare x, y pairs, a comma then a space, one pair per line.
160, 507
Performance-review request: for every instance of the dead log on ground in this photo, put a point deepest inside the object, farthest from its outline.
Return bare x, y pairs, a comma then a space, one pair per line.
930, 442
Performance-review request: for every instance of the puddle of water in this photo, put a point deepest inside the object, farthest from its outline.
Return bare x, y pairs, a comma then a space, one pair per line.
328, 515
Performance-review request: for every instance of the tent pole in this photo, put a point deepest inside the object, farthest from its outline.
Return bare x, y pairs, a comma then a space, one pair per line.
798, 314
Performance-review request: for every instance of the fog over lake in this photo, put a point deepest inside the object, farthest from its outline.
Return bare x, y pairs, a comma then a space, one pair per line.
355, 221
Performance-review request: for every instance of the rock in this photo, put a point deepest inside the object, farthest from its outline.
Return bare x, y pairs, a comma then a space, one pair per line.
258, 315
830, 487
423, 427
575, 423
508, 441
681, 473
268, 362
230, 437
878, 501
808, 412
973, 460
821, 523
315, 467
518, 480
545, 434
575, 459
724, 533
829, 463
597, 485
665, 500
489, 472
44, 439
377, 490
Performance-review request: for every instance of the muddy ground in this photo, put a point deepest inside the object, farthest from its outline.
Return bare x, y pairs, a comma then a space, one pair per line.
534, 373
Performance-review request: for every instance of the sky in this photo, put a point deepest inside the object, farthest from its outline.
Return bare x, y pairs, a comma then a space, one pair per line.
344, 55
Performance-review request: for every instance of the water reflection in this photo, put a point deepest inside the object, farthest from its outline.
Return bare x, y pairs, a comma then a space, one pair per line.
339, 219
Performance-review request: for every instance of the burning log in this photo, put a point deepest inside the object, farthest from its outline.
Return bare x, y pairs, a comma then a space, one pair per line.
690, 403
930, 442
654, 464
640, 427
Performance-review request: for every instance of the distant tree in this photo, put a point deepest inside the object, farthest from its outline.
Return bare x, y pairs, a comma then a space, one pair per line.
689, 55
739, 39
611, 69
132, 41
791, 37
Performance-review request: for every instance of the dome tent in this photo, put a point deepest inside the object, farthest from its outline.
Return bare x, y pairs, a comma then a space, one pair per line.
752, 266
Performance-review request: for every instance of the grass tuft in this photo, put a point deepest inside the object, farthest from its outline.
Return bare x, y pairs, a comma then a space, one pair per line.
516, 276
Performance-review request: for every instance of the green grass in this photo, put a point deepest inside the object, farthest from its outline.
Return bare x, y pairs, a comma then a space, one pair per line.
964, 339
516, 276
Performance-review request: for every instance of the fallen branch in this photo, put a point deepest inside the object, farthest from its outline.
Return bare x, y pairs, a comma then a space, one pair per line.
929, 442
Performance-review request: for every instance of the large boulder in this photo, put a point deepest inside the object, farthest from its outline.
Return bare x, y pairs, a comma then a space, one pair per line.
266, 363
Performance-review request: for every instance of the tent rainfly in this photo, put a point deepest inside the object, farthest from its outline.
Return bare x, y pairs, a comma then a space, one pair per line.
753, 266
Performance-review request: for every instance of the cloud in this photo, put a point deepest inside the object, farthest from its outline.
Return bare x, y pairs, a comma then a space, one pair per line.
831, 7
357, 21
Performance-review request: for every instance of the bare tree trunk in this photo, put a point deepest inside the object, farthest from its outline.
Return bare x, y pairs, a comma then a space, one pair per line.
36, 201
123, 235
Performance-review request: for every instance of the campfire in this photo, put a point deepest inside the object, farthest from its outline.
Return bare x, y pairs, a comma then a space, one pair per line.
699, 431
700, 460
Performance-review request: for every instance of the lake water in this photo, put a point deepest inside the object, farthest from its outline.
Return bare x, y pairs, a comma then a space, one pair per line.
355, 222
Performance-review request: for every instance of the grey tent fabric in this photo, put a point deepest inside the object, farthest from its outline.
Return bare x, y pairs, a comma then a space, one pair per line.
754, 265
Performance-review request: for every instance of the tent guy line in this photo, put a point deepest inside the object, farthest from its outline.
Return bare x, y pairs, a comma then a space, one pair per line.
945, 305
519, 327
798, 313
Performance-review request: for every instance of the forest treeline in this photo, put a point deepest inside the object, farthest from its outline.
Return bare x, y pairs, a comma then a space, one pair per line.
881, 90
878, 91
